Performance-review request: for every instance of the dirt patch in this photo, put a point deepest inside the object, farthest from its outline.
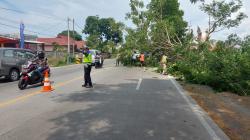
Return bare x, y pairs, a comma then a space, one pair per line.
230, 111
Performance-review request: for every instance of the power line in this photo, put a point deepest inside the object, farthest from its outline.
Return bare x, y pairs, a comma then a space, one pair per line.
79, 27
9, 20
7, 9
14, 27
56, 26
39, 14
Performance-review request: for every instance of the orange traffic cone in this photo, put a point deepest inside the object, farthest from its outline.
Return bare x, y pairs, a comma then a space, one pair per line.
47, 85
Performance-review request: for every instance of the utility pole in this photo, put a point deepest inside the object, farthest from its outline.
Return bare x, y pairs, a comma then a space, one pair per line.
68, 58
73, 37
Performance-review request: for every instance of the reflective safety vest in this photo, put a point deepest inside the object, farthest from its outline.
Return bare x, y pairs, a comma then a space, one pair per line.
142, 57
87, 58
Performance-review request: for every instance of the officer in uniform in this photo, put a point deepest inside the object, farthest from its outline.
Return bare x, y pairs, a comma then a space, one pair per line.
87, 61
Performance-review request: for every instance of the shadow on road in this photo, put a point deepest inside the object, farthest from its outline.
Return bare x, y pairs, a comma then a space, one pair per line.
119, 112
4, 80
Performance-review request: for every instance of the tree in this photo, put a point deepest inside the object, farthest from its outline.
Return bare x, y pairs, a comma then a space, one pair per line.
102, 30
167, 26
158, 27
233, 40
92, 25
246, 42
221, 15
72, 34
138, 38
195, 1
93, 41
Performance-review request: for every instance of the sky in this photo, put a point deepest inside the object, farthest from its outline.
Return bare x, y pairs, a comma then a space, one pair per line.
49, 17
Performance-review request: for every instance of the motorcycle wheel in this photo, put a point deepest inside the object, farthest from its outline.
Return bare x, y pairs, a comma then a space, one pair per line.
22, 84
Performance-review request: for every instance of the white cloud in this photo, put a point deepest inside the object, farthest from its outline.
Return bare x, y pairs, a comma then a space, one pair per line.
196, 17
80, 9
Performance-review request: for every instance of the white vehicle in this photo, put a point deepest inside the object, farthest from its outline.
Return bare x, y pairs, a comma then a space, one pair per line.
97, 58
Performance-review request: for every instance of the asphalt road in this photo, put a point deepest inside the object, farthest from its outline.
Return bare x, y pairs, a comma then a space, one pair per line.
125, 104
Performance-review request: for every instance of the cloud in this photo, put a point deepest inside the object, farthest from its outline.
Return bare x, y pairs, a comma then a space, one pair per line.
196, 17
38, 14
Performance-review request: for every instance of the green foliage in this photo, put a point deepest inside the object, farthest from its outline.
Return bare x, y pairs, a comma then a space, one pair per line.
101, 31
166, 15
57, 61
159, 26
223, 68
72, 34
233, 40
195, 1
160, 29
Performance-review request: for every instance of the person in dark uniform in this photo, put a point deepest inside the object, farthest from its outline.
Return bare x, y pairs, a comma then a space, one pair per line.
87, 61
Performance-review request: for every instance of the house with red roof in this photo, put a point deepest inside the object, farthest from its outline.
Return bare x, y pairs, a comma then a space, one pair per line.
13, 42
60, 40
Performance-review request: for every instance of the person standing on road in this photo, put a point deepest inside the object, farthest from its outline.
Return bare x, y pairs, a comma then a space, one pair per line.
142, 59
134, 58
163, 63
87, 61
118, 59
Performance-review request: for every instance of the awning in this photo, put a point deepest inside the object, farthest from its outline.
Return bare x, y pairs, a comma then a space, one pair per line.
33, 42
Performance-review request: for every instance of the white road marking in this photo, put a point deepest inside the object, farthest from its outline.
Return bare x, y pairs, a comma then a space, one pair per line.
139, 84
197, 112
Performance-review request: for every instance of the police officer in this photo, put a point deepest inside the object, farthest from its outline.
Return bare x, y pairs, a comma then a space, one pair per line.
87, 61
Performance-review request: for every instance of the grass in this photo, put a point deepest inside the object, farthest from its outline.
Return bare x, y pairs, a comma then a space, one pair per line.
57, 61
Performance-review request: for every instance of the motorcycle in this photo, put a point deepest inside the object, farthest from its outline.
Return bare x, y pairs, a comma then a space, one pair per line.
30, 75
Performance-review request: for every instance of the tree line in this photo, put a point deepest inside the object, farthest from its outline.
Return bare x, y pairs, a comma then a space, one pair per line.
161, 29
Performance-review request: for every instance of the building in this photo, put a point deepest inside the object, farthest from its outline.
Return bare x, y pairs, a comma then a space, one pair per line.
61, 41
14, 42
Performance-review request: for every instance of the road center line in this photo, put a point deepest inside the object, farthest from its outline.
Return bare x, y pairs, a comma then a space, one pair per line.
23, 97
139, 84
26, 96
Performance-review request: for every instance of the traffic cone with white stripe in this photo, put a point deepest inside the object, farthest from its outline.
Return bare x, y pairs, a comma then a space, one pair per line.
47, 84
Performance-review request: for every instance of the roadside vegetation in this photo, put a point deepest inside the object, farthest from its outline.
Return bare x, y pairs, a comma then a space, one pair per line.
160, 29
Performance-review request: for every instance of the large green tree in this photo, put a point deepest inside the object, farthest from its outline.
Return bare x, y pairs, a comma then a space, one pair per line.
167, 24
72, 34
102, 30
157, 27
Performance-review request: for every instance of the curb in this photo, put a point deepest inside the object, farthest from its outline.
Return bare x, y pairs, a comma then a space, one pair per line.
213, 129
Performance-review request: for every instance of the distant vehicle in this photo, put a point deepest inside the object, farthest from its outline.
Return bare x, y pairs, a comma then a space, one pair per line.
11, 61
97, 58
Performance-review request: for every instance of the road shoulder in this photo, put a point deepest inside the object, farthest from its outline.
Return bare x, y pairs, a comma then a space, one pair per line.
229, 111
213, 129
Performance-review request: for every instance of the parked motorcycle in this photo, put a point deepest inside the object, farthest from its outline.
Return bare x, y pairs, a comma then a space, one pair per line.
30, 75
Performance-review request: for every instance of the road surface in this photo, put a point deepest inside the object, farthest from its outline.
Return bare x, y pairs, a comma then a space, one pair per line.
125, 104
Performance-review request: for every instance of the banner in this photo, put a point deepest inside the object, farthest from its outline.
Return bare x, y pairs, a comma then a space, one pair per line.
21, 35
